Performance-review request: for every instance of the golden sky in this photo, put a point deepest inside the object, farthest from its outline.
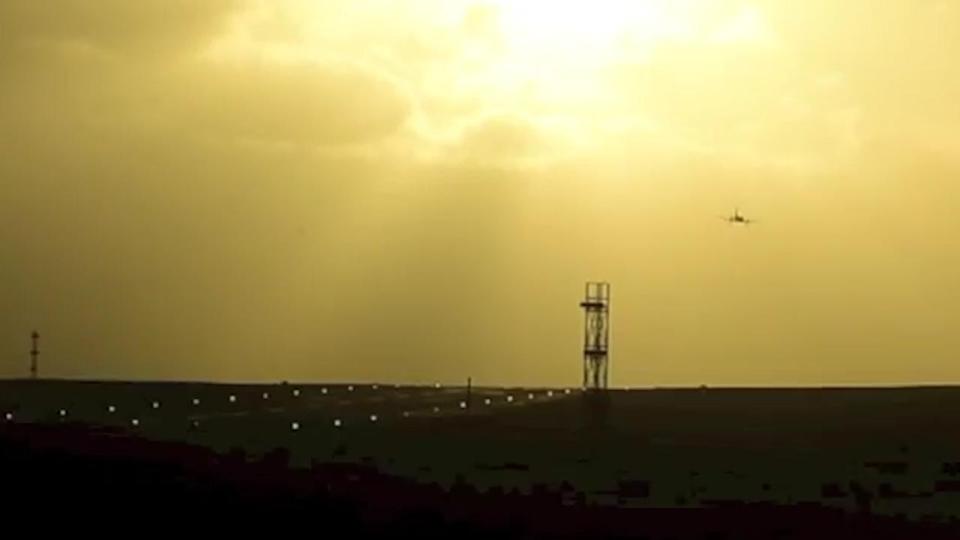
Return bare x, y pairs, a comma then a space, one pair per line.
416, 190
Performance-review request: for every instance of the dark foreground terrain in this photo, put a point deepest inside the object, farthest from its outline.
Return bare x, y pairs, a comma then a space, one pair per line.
433, 462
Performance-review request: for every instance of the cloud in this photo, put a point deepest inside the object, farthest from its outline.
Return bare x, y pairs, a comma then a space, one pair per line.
144, 26
501, 138
113, 67
318, 103
76, 92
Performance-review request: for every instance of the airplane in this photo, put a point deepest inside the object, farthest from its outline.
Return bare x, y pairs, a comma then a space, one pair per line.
737, 217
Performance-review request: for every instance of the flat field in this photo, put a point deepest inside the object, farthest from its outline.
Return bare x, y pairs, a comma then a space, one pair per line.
891, 451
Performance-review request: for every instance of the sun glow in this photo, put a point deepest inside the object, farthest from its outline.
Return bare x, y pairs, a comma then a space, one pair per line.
581, 31
524, 83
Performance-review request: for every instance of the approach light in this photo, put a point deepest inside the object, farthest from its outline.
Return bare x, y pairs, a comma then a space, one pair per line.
337, 423
295, 426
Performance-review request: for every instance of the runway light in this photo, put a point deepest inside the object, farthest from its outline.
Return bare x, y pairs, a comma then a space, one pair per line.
337, 422
406, 414
549, 393
567, 391
436, 409
373, 418
233, 398
350, 388
63, 412
509, 398
8, 416
156, 404
323, 390
529, 396
135, 422
295, 426
266, 395
375, 387
196, 401
111, 409
486, 401
463, 404
436, 385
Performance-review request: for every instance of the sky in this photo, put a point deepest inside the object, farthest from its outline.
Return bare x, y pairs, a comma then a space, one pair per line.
416, 191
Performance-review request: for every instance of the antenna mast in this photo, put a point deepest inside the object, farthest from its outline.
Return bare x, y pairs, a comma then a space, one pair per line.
34, 354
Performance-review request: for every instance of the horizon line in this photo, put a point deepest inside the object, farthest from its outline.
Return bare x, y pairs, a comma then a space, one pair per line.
619, 388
